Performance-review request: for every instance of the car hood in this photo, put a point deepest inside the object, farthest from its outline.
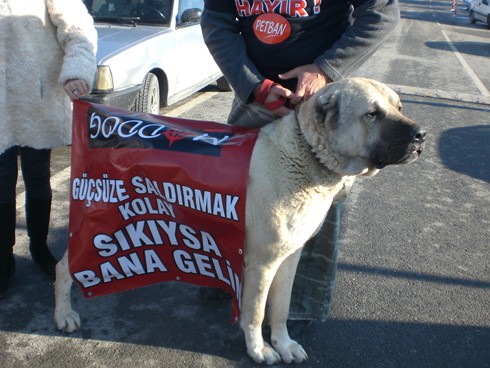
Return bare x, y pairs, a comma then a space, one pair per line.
113, 39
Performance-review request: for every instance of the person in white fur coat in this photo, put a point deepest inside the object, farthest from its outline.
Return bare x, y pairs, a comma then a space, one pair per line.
47, 59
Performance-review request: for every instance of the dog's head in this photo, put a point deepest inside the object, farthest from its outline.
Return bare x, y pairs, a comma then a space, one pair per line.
355, 127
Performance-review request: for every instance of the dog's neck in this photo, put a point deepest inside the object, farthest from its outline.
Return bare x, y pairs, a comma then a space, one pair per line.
327, 162
320, 150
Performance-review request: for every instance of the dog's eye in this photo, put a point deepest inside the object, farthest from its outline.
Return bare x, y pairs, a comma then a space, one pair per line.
372, 115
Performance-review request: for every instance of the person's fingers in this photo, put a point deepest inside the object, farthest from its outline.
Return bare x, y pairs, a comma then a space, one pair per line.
310, 79
71, 92
293, 73
308, 92
76, 88
278, 90
80, 86
298, 96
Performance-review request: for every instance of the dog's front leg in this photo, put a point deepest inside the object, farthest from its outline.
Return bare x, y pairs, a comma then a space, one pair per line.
256, 284
279, 301
65, 317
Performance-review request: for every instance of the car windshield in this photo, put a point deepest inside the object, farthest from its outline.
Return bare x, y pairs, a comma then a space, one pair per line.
130, 11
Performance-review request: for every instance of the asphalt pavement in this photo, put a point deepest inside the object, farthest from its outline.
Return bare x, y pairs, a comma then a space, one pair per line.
412, 290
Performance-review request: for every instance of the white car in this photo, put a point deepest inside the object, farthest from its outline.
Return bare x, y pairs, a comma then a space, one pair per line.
480, 10
150, 53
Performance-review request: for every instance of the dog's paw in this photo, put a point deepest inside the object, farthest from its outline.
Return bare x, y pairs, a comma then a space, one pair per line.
266, 354
68, 321
291, 352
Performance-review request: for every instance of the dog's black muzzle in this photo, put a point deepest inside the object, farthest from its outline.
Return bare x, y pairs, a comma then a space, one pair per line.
402, 142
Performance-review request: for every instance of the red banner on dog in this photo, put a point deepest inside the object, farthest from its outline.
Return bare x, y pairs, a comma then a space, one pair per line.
154, 199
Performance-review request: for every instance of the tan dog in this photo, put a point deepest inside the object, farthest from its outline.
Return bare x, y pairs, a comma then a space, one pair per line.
299, 163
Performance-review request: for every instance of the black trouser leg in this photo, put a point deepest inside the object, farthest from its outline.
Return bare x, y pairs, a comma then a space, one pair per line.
7, 241
8, 180
38, 212
35, 165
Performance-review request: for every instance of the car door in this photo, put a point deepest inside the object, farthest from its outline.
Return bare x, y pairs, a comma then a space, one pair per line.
480, 9
197, 65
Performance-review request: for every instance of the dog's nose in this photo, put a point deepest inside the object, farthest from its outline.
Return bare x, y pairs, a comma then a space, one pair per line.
419, 136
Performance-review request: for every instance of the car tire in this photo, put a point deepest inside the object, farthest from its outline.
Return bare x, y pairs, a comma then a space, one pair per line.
223, 84
472, 17
148, 99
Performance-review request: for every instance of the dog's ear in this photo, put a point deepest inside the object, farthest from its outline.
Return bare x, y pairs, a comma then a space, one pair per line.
326, 107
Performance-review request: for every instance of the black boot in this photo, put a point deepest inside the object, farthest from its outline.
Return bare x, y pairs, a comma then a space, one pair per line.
7, 241
38, 212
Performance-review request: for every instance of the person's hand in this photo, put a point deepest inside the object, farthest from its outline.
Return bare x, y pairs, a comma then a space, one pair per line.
273, 96
310, 79
75, 88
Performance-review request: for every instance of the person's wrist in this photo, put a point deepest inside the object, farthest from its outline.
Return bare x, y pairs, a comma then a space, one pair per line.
262, 92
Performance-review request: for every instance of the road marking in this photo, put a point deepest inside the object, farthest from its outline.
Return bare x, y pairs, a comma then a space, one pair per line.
436, 93
479, 84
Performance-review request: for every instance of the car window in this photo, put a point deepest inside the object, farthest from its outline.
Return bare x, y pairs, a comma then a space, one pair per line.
144, 11
192, 8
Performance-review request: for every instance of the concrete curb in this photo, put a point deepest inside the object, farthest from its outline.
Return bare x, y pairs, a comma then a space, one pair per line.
435, 93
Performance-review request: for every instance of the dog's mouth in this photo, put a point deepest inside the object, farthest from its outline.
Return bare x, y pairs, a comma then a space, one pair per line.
411, 157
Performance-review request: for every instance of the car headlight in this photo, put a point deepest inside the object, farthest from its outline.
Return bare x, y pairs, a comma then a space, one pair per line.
103, 80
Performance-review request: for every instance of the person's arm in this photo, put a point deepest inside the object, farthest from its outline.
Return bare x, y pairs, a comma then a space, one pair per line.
224, 41
77, 37
373, 22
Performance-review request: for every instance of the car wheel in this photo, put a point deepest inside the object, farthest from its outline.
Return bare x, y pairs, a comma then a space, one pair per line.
223, 84
148, 99
472, 17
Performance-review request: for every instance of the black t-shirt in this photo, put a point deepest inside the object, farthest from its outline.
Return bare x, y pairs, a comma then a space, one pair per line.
296, 34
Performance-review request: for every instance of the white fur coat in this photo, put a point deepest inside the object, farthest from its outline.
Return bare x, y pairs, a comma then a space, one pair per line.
43, 43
